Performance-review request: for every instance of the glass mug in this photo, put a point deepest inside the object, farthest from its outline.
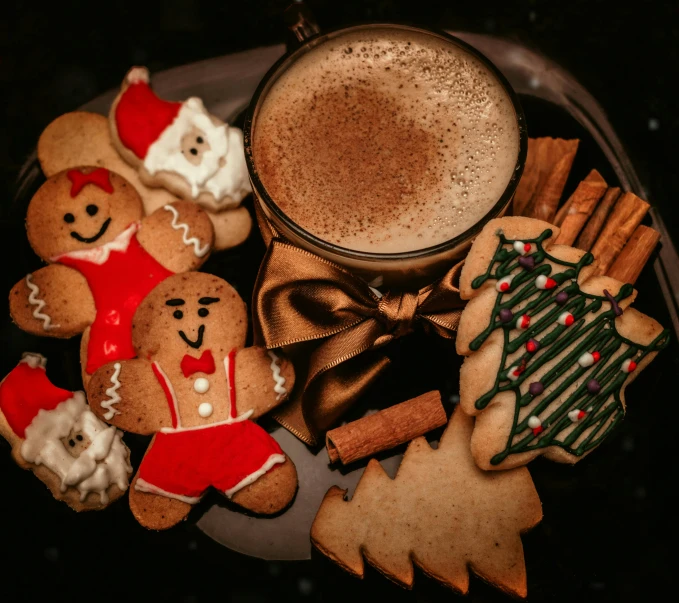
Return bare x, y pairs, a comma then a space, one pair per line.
407, 269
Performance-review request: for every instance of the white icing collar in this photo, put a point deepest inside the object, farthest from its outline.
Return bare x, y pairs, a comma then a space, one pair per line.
99, 255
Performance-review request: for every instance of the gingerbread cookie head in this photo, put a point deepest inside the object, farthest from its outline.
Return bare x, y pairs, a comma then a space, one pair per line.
80, 209
188, 314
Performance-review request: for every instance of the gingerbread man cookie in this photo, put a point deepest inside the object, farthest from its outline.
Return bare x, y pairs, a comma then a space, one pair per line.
104, 259
53, 433
550, 348
197, 389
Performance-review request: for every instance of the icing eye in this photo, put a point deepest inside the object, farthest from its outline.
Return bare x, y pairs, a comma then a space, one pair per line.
193, 151
71, 443
70, 218
178, 314
203, 312
92, 210
199, 140
79, 438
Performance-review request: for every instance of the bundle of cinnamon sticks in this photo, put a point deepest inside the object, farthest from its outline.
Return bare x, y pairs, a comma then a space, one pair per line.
596, 218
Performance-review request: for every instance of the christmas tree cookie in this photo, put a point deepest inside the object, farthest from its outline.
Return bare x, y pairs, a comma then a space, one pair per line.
441, 513
550, 348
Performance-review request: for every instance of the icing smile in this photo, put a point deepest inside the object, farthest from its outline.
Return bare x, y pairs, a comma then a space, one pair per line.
198, 342
102, 230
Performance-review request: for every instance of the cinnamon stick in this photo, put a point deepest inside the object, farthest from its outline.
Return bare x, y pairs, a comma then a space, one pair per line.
579, 207
596, 222
622, 222
632, 259
553, 158
386, 429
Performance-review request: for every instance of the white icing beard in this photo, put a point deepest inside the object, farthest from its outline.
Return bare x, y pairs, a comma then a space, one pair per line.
102, 464
230, 180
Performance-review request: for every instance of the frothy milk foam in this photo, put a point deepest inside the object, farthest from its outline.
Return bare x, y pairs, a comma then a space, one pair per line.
386, 141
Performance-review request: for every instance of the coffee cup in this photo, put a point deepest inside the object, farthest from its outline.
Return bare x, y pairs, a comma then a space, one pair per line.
384, 148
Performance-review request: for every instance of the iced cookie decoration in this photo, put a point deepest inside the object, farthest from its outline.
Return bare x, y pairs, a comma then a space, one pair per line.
53, 433
196, 387
441, 513
550, 348
104, 258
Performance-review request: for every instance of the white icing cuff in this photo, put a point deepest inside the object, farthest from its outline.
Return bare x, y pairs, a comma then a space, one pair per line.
274, 459
143, 486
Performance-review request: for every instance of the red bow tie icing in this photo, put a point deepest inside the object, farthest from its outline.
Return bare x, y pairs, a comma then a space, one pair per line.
99, 177
204, 364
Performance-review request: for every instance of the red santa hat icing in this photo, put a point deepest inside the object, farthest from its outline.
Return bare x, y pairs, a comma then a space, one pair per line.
26, 391
141, 117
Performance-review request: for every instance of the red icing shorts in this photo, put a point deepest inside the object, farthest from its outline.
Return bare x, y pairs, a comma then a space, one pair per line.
182, 464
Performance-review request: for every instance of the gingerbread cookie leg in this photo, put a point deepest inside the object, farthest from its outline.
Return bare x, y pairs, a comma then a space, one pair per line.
272, 492
154, 511
232, 227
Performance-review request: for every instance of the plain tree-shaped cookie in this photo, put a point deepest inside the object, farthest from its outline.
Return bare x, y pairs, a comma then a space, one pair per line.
104, 257
195, 386
550, 348
441, 513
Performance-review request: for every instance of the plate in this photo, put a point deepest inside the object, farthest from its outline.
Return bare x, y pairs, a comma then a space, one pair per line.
590, 498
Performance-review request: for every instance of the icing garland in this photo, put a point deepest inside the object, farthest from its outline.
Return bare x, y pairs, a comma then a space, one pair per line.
197, 249
594, 370
34, 300
279, 388
112, 393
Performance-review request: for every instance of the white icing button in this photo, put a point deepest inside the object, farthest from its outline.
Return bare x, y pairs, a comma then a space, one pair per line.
201, 385
205, 410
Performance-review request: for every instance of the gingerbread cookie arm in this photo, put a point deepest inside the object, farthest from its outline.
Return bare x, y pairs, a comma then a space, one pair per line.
179, 235
232, 227
128, 395
42, 303
264, 380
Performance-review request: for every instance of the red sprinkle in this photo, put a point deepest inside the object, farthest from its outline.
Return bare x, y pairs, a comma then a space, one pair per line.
569, 320
538, 429
526, 247
531, 346
550, 283
504, 286
596, 356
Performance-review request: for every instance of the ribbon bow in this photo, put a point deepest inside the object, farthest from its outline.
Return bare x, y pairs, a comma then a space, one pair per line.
204, 364
301, 298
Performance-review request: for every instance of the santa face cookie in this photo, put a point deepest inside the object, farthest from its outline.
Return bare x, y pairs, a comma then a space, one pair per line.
179, 146
104, 259
196, 388
550, 348
53, 433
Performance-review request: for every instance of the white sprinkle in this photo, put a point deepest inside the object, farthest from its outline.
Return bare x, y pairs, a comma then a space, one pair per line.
534, 422
653, 124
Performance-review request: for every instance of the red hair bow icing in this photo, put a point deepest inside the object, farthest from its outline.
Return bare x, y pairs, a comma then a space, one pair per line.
99, 177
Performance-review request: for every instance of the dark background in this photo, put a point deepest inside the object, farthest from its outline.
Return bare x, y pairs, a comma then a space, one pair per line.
55, 58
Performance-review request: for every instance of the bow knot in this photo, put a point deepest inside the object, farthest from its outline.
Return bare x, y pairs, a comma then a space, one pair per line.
397, 311
301, 298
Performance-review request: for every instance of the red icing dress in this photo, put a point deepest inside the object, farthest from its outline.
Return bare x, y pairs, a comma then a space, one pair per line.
120, 274
184, 461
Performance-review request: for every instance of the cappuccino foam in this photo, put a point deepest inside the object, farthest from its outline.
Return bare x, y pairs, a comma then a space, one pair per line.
386, 141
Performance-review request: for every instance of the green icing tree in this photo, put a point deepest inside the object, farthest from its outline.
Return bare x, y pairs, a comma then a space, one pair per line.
544, 312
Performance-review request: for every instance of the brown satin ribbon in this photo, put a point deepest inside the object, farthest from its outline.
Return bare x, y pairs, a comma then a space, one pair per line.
332, 320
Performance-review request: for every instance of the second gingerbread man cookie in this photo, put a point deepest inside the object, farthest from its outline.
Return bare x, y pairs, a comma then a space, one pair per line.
197, 389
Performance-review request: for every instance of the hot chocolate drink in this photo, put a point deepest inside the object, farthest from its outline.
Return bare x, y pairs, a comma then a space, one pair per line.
386, 141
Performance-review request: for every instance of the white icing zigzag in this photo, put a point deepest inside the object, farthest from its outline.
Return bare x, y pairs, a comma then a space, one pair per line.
277, 377
112, 393
34, 300
197, 249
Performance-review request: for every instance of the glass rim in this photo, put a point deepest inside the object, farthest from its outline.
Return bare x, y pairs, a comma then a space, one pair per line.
367, 256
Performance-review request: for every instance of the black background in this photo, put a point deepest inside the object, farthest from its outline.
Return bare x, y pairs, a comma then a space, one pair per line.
610, 543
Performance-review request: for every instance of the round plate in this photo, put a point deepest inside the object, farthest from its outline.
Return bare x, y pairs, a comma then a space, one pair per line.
226, 84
